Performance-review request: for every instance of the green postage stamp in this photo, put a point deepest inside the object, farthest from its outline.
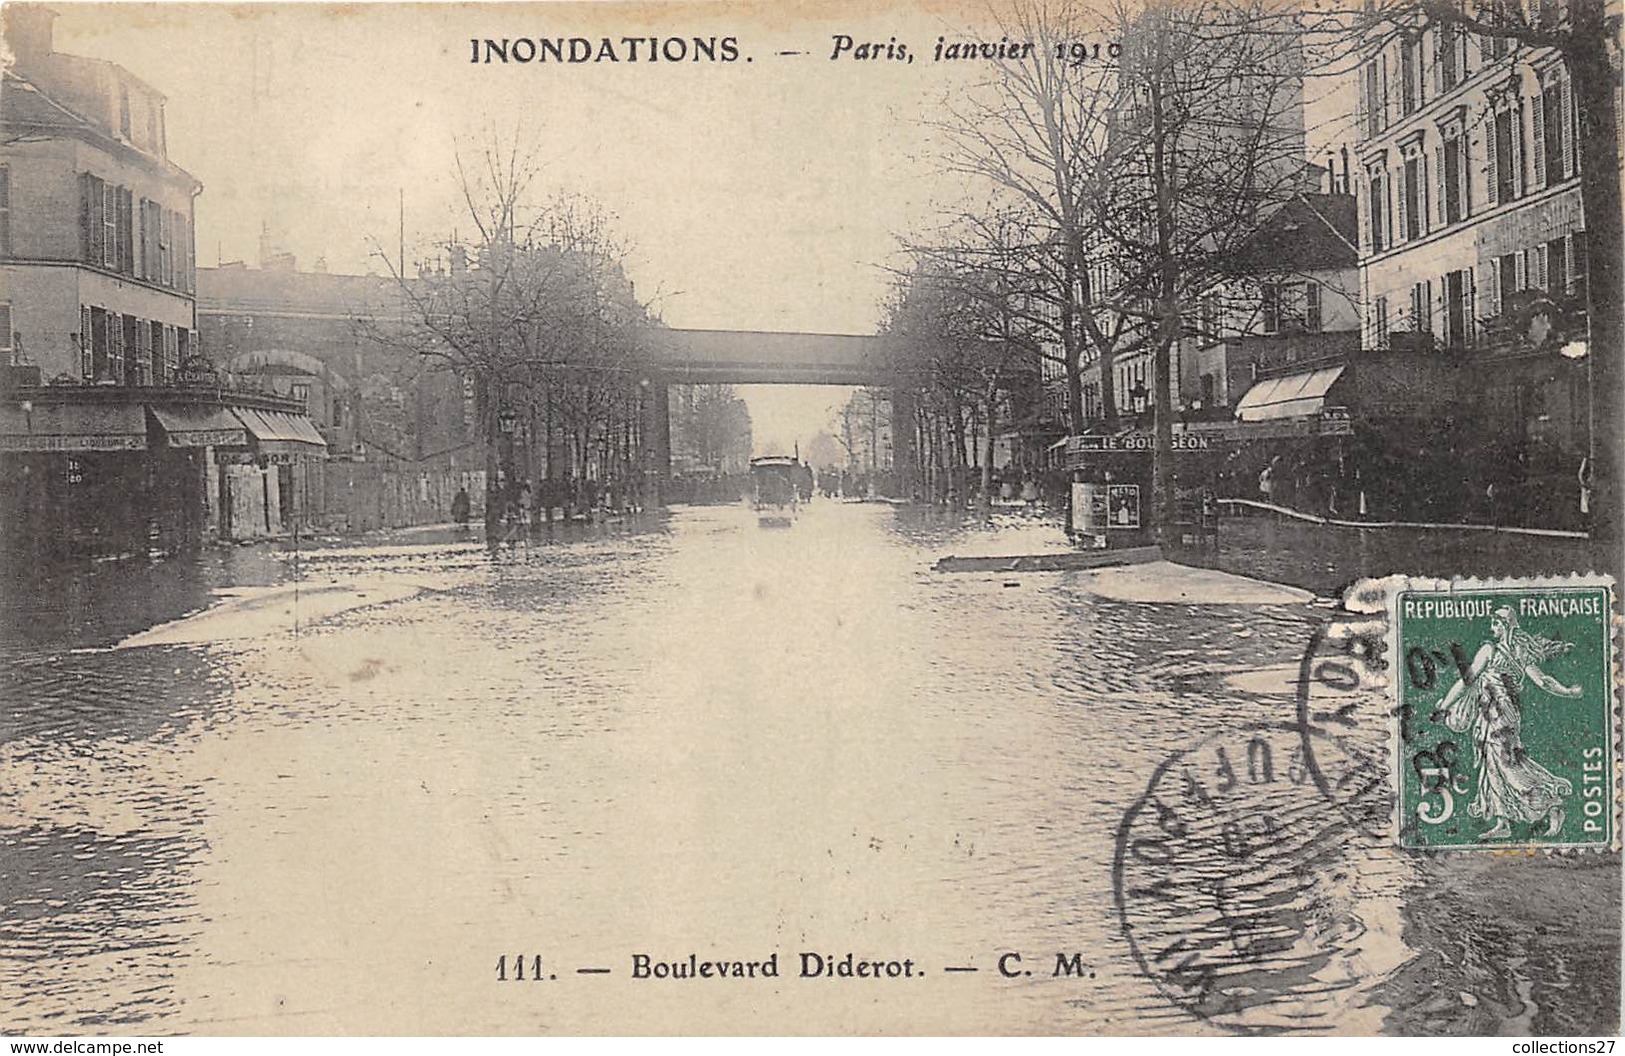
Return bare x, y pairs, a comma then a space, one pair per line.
1504, 733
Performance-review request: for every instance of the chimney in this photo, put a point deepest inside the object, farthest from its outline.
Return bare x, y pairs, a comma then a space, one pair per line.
28, 32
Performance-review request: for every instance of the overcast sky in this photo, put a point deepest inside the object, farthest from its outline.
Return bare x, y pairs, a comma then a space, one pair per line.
765, 193
760, 194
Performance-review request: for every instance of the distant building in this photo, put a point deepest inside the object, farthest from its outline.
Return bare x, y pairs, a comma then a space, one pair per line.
1291, 311
403, 431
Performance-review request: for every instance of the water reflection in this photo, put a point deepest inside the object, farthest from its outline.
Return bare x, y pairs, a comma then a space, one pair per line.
705, 738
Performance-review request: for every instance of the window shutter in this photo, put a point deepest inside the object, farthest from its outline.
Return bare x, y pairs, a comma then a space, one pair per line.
1492, 287
1469, 306
1401, 225
1491, 191
1570, 131
1382, 88
1517, 150
1363, 120
86, 359
84, 216
1423, 224
1438, 61
1537, 117
1520, 272
1442, 192
98, 232
1542, 272
1568, 263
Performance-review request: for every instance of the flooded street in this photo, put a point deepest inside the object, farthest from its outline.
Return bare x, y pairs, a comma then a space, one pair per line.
333, 801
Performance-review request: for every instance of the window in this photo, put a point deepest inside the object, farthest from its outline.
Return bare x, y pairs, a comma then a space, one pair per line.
7, 343
1450, 66
1453, 165
1376, 207
1208, 390
1311, 307
1457, 308
163, 372
5, 211
90, 218
183, 345
172, 354
1557, 265
1552, 149
135, 370
98, 343
1422, 307
1506, 277
1409, 95
140, 335
1272, 308
1415, 199
1381, 320
124, 111
1208, 320
1374, 92
1502, 171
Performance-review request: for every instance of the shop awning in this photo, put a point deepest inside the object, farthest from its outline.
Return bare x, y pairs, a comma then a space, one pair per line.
275, 433
73, 427
1289, 396
199, 426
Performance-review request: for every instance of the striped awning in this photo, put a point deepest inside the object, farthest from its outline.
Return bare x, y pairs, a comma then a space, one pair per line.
276, 433
201, 426
1289, 396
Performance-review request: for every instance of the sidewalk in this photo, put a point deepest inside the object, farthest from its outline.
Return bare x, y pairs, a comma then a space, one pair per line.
1327, 558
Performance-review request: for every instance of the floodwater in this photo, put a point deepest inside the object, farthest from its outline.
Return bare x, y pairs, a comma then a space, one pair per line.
359, 781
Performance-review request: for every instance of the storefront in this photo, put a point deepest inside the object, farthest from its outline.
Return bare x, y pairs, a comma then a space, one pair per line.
94, 471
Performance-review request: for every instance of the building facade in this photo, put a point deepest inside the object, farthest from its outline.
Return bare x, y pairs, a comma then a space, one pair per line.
117, 435
1472, 242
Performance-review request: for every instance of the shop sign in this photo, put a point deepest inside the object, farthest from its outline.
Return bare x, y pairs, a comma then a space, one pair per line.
197, 371
1136, 441
28, 442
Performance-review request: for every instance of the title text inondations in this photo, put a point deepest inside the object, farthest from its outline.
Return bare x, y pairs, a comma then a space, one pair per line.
842, 47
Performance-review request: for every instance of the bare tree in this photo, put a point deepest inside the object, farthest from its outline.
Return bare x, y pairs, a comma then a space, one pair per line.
533, 307
1036, 135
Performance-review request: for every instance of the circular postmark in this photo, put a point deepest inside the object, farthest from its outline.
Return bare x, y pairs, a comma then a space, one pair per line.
1341, 694
1233, 874
1226, 875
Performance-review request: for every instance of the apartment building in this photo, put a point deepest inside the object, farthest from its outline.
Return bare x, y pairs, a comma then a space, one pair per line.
1472, 243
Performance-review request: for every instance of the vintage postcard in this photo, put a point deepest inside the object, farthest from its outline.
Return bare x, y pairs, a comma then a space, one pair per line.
747, 518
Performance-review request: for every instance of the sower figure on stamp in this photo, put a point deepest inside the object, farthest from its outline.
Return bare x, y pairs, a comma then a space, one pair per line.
1511, 786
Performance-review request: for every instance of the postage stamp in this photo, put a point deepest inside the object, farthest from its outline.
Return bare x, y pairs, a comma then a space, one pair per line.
1504, 729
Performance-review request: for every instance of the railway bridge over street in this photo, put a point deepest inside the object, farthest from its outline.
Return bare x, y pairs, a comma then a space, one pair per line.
754, 357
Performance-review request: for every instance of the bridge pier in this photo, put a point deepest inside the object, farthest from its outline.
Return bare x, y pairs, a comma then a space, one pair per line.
655, 411
905, 444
